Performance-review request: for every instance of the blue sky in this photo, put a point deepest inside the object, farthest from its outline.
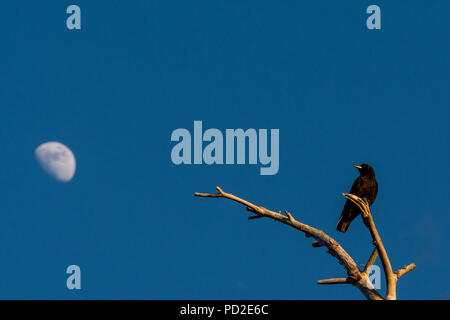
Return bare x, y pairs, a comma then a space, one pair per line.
115, 90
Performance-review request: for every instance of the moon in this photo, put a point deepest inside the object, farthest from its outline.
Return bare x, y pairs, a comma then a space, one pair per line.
57, 160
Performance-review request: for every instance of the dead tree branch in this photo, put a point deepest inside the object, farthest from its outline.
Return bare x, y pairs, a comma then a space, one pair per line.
355, 276
371, 260
391, 278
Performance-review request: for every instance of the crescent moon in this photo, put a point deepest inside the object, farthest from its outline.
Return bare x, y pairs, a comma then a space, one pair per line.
57, 160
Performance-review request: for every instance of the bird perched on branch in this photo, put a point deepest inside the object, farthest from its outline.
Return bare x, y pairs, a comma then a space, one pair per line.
365, 186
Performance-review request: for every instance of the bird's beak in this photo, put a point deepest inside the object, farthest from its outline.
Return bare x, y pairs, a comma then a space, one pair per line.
357, 166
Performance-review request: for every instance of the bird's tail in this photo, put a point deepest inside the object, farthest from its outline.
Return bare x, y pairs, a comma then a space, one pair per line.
342, 225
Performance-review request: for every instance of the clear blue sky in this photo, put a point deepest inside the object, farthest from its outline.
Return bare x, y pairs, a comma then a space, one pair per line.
137, 70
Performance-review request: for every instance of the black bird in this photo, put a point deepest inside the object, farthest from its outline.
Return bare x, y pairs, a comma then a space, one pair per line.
365, 186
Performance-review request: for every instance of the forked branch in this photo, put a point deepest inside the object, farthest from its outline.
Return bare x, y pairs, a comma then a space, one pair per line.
355, 276
391, 278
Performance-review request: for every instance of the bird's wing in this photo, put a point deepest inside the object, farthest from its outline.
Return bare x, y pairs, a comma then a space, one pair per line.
351, 209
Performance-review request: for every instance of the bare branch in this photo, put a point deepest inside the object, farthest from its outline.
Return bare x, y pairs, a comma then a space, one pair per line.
355, 277
334, 281
371, 260
334, 248
404, 270
367, 216
291, 218
317, 244
212, 195
391, 278
255, 217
